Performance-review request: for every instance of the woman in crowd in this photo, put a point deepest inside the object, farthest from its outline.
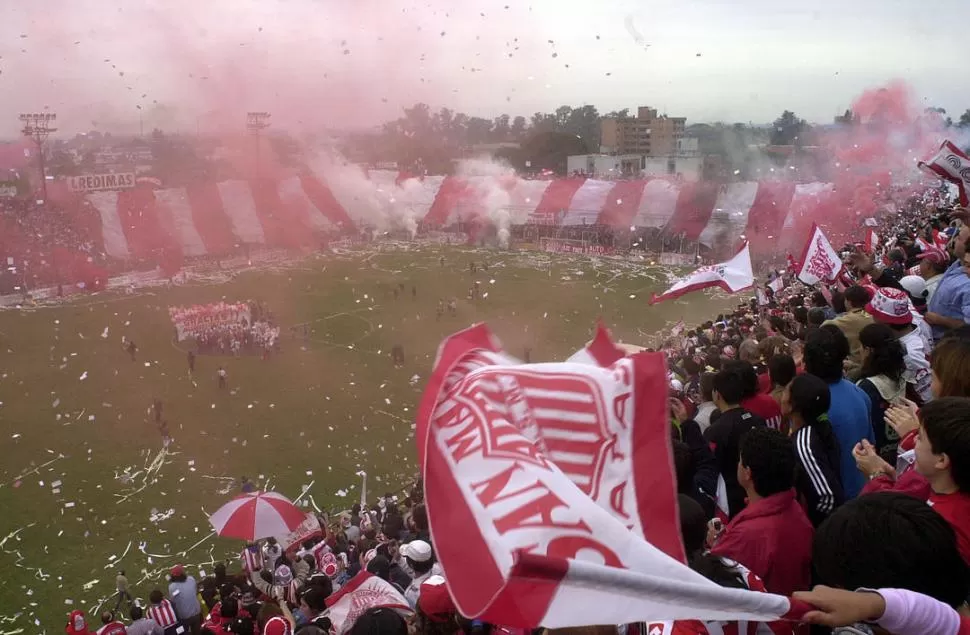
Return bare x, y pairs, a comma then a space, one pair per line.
883, 366
806, 403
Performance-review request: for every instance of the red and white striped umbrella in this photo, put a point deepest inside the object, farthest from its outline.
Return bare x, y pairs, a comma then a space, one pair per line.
257, 515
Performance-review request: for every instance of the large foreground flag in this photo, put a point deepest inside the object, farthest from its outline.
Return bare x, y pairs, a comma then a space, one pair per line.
951, 164
525, 543
732, 276
820, 261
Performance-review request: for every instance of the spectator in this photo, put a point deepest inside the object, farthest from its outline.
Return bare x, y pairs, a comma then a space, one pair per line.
850, 411
819, 302
892, 308
755, 401
379, 621
162, 613
933, 263
420, 559
772, 536
111, 626
313, 606
272, 553
853, 321
701, 461
943, 458
185, 599
706, 407
817, 317
140, 625
818, 481
76, 624
890, 540
883, 366
121, 586
724, 435
950, 366
781, 371
950, 306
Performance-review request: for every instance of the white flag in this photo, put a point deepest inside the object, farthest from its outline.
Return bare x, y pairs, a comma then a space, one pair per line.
777, 284
733, 276
521, 543
872, 241
950, 164
820, 261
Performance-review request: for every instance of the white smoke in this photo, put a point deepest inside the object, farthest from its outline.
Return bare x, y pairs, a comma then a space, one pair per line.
377, 199
491, 182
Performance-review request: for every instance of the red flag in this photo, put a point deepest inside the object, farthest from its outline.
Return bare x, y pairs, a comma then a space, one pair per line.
521, 526
951, 164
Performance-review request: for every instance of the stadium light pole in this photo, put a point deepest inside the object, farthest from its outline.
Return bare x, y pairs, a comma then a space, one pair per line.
38, 126
255, 123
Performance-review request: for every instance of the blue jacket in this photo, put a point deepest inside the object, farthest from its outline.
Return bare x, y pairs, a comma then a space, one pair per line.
952, 297
850, 414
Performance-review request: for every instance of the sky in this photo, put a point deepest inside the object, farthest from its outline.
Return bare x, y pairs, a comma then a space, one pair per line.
118, 65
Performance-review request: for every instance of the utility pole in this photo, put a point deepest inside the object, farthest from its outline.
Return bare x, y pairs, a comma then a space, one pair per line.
255, 123
38, 126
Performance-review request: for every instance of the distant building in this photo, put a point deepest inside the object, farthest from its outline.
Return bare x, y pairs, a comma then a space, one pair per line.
646, 134
626, 166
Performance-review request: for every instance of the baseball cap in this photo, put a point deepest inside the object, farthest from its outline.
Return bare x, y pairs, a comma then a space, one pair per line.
890, 306
177, 570
434, 599
934, 254
914, 285
417, 550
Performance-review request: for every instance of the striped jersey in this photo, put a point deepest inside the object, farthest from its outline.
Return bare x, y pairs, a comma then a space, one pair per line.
163, 614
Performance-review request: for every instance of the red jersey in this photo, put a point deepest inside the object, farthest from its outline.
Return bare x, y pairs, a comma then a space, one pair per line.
765, 407
955, 508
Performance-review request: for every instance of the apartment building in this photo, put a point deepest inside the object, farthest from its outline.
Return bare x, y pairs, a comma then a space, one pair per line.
647, 134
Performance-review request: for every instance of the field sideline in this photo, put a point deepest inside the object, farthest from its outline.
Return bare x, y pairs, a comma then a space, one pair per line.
84, 487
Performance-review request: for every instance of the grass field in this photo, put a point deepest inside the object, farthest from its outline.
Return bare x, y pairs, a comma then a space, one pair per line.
77, 496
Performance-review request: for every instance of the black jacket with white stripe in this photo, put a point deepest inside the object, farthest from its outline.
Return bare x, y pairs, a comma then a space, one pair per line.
818, 478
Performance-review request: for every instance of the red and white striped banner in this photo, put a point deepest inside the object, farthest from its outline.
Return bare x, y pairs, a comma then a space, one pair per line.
212, 218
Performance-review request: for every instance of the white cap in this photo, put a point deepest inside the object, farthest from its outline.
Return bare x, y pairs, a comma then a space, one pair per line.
914, 285
417, 550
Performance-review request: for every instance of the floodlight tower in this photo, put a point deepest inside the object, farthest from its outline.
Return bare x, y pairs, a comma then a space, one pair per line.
38, 126
255, 123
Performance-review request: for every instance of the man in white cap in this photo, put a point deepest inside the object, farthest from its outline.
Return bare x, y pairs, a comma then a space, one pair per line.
933, 263
419, 558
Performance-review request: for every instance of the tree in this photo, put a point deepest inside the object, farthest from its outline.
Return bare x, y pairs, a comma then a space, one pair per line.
618, 114
584, 122
964, 120
941, 114
500, 131
543, 122
518, 127
548, 150
478, 130
787, 129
